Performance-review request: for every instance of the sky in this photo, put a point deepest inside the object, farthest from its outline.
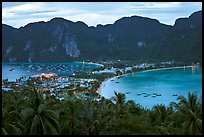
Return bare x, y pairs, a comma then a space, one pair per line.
19, 14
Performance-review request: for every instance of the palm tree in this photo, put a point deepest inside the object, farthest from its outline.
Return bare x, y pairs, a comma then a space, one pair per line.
106, 113
189, 111
71, 121
91, 115
119, 100
11, 122
161, 112
39, 119
12, 102
133, 108
130, 125
160, 117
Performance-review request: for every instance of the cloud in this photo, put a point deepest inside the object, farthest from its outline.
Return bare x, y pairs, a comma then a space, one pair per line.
92, 13
155, 5
22, 8
12, 12
93, 19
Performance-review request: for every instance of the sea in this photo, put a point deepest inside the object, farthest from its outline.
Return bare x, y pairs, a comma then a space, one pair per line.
155, 87
13, 71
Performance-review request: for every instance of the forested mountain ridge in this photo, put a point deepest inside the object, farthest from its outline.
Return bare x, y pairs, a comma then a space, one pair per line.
129, 38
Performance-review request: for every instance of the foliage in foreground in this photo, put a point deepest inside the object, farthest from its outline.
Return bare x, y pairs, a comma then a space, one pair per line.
26, 113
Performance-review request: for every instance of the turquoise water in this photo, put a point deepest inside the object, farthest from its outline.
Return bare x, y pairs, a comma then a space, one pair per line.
30, 69
167, 82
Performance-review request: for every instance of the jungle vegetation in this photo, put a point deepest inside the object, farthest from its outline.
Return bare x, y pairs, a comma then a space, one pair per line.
27, 113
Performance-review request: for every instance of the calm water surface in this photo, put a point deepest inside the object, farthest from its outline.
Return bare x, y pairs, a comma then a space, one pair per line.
30, 69
167, 82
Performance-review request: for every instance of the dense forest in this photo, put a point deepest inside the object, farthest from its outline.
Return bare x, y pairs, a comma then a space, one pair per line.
134, 38
27, 113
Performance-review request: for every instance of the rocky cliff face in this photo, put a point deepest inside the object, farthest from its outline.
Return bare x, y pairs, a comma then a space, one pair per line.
129, 38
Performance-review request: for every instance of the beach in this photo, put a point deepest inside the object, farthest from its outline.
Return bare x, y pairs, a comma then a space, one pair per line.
103, 83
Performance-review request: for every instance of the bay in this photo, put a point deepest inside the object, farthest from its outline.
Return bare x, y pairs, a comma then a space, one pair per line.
13, 71
151, 88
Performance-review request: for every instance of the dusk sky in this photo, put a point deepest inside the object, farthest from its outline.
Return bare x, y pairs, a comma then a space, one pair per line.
19, 14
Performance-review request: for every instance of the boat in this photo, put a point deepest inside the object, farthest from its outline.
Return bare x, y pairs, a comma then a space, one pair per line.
117, 82
127, 92
11, 69
138, 94
175, 95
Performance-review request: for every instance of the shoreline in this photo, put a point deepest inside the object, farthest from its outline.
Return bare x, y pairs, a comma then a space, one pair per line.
103, 83
162, 69
85, 62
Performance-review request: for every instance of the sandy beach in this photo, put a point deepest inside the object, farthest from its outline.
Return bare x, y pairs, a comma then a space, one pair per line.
103, 83
84, 62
